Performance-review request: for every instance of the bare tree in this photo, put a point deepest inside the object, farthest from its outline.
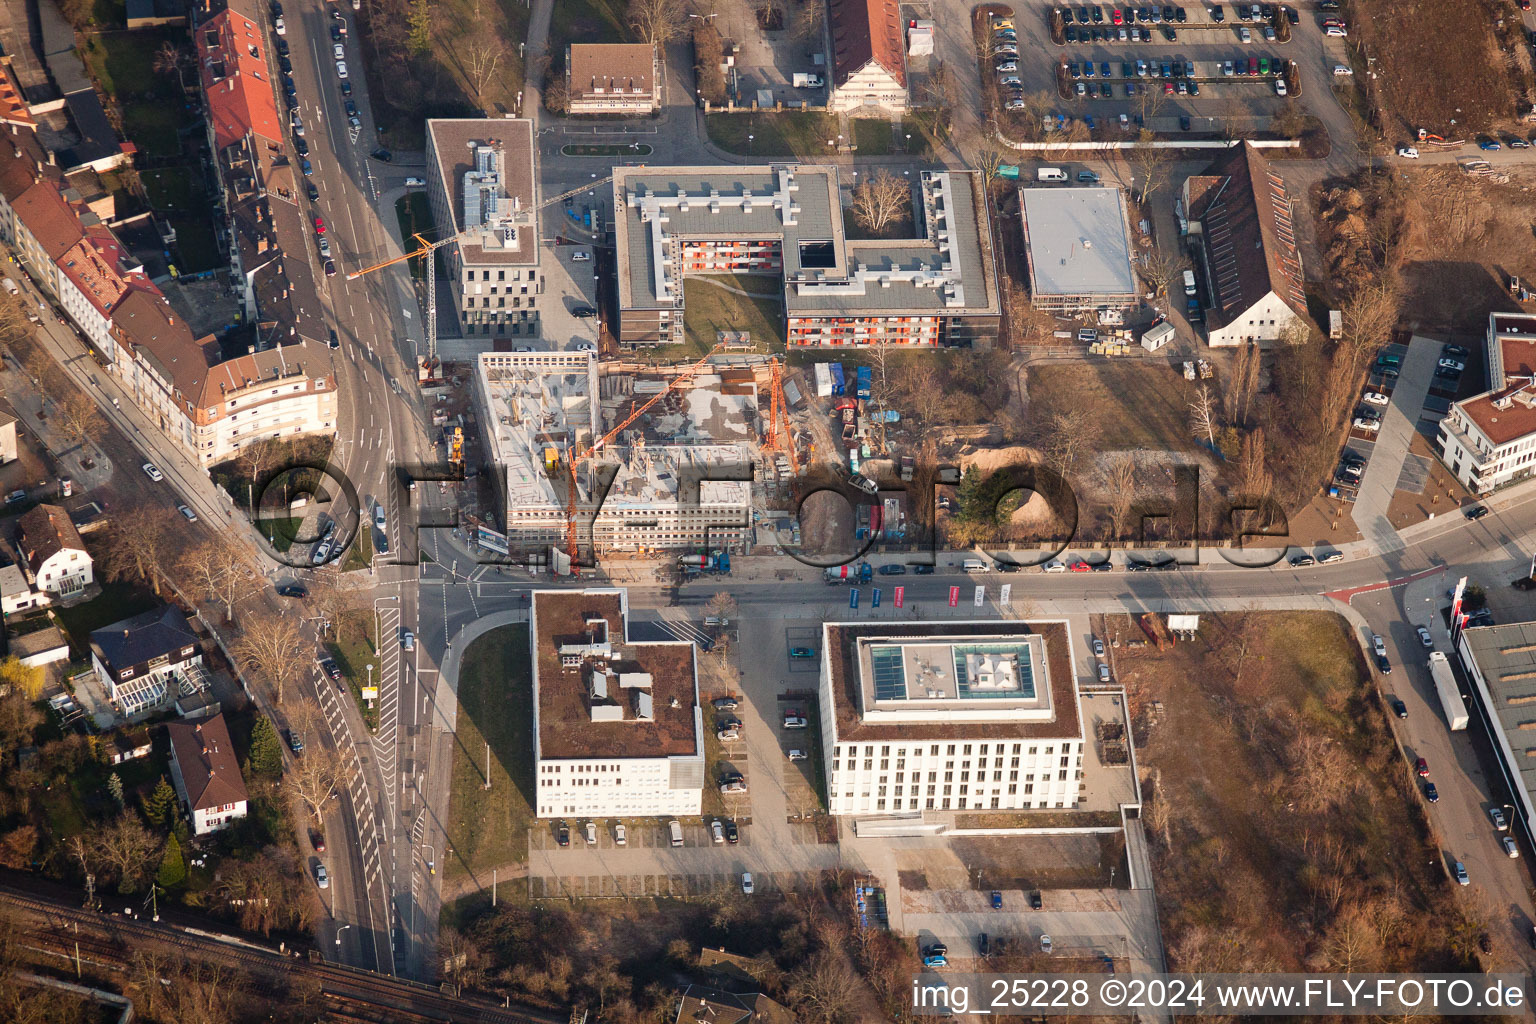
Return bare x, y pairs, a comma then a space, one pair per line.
658, 22
1163, 267
79, 417
808, 19
1244, 385
45, 373
989, 156
721, 605
272, 646
1122, 490
1150, 163
1202, 415
880, 199
138, 546
1368, 317
825, 987
127, 848
481, 60
169, 60
314, 777
920, 380
1071, 435
1254, 480
222, 568
14, 324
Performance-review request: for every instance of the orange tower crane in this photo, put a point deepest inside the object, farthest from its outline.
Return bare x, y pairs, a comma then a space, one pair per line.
571, 547
779, 437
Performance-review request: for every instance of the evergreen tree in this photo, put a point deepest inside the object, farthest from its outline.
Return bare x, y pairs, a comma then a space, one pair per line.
160, 805
266, 756
969, 497
115, 787
173, 867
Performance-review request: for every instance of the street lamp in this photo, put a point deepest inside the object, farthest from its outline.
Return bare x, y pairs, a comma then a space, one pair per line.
339, 931
909, 142
750, 137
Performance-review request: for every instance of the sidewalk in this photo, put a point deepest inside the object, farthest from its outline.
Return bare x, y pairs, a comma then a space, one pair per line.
69, 455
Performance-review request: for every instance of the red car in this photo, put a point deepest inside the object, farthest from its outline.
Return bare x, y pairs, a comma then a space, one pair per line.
1422, 767
1117, 17
1080, 566
319, 225
1253, 65
1167, 88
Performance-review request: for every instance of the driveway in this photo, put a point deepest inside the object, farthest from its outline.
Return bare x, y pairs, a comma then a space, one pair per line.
1392, 440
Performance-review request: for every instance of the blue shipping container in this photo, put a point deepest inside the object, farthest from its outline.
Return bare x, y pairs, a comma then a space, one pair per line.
839, 382
866, 382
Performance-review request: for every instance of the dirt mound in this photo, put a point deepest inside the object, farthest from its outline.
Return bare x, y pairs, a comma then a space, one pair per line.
990, 460
1480, 39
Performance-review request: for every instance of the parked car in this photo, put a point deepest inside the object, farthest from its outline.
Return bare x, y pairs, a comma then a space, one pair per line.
893, 570
295, 590
187, 513
997, 900
1476, 512
1367, 426
794, 722
1425, 638
1383, 665
1398, 707
802, 652
620, 836
716, 831
562, 834
797, 755
1500, 822
1460, 871
1421, 768
1408, 152
732, 833
1510, 846
724, 703
1098, 648
1375, 398
746, 883
152, 471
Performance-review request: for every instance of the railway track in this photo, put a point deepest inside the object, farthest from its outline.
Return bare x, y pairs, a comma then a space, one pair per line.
357, 996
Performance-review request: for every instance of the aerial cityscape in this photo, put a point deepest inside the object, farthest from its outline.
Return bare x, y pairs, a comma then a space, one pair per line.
709, 511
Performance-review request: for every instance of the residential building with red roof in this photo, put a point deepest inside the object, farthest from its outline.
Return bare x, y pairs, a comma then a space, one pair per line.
14, 108
215, 406
869, 71
206, 774
94, 275
237, 82
46, 227
1242, 230
1489, 440
23, 162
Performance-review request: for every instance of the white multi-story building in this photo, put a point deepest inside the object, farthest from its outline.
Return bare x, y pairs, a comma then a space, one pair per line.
636, 496
949, 716
1489, 440
617, 726
94, 275
483, 189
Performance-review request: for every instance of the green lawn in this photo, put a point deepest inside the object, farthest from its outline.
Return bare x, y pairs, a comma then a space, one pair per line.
360, 554
875, 137
489, 827
708, 308
639, 149
172, 189
354, 651
281, 531
117, 601
196, 245
587, 21
801, 133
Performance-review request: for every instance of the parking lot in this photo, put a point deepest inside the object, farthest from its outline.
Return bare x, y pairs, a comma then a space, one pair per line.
1209, 68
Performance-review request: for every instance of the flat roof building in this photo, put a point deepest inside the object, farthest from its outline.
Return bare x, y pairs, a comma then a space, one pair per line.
1500, 663
786, 221
618, 730
1077, 242
665, 484
1489, 440
949, 716
482, 185
612, 78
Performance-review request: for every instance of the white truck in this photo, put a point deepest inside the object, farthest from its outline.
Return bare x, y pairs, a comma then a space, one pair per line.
804, 80
1450, 693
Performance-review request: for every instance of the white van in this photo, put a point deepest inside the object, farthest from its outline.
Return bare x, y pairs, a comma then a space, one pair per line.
9, 286
974, 565
1189, 282
676, 828
1051, 174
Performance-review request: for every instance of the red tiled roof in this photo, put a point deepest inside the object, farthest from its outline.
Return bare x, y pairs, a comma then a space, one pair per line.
95, 264
50, 219
231, 52
864, 31
13, 105
207, 760
1518, 355
1250, 242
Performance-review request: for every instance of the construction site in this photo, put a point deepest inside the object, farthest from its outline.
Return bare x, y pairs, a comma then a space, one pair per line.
686, 464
